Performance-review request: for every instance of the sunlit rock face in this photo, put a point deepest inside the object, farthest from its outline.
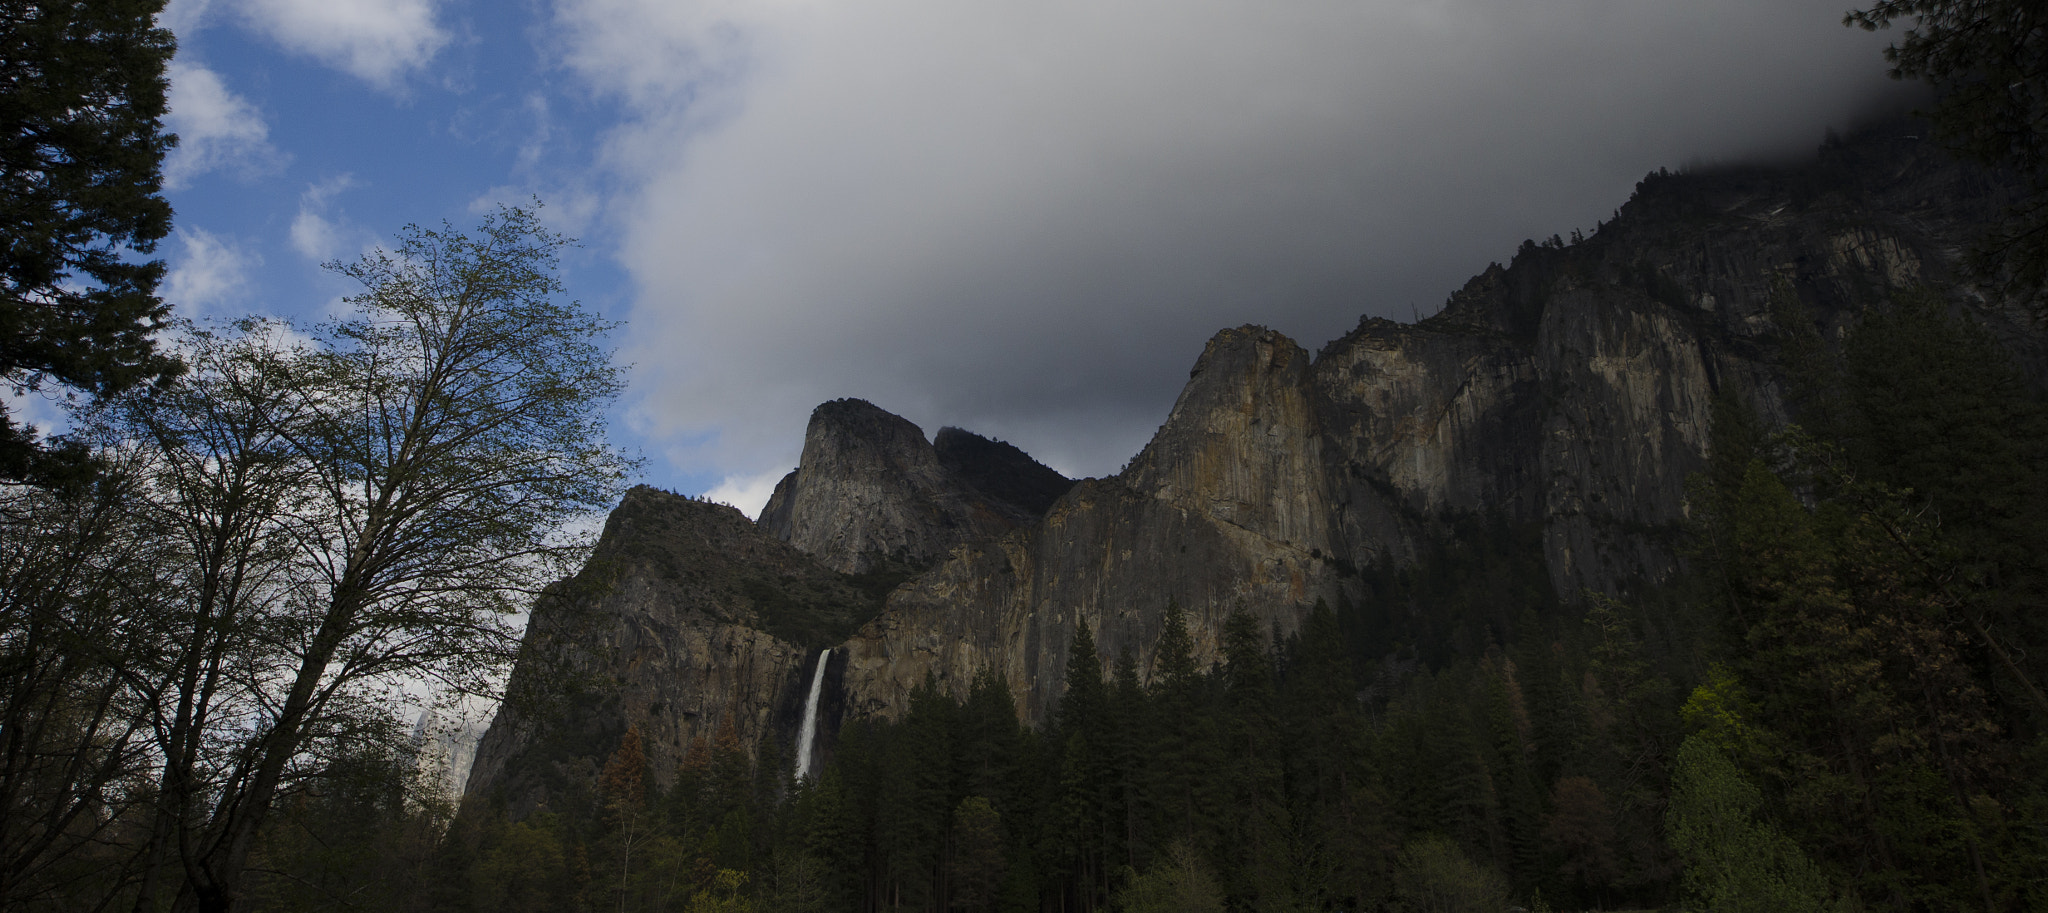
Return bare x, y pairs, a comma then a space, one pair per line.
1569, 393
871, 493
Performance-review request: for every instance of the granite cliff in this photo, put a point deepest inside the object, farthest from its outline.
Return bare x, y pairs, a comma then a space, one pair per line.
691, 619
870, 493
1565, 396
688, 618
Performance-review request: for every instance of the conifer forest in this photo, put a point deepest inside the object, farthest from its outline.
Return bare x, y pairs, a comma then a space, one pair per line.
261, 558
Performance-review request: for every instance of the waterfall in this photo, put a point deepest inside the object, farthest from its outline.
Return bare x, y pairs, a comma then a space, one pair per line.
809, 733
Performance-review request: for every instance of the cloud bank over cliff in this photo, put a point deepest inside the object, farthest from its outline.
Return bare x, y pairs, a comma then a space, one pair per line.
1025, 218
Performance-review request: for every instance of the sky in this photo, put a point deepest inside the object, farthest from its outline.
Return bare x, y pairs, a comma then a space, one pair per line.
1019, 218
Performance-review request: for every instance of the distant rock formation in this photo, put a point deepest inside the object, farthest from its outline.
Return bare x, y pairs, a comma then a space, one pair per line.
1226, 508
871, 493
701, 619
1569, 393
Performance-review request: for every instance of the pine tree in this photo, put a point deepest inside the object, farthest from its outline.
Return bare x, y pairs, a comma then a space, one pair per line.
1325, 735
1129, 720
914, 799
834, 837
81, 155
976, 868
1173, 659
1507, 760
1887, 734
1943, 416
990, 741
1257, 824
1084, 771
1085, 702
1180, 781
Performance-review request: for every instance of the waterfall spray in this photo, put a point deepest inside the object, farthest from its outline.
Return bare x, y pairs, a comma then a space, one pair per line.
809, 733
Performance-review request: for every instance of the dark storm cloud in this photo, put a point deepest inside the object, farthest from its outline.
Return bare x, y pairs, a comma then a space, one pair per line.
1025, 218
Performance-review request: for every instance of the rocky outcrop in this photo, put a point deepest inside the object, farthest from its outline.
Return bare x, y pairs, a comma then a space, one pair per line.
1568, 394
1571, 391
1574, 388
689, 618
871, 493
1226, 509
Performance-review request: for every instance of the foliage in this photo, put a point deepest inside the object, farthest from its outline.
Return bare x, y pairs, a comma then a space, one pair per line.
1179, 883
72, 734
976, 869
285, 539
1434, 876
1734, 862
81, 153
1989, 61
395, 485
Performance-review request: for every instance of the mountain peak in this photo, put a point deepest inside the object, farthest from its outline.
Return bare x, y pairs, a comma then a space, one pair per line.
871, 493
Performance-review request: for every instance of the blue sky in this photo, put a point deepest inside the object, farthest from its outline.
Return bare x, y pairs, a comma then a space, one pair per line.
1022, 218
296, 151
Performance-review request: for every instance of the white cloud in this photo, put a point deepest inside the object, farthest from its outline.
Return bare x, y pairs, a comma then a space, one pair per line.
657, 53
217, 129
39, 412
379, 41
749, 493
185, 17
315, 233
210, 272
567, 209
1025, 218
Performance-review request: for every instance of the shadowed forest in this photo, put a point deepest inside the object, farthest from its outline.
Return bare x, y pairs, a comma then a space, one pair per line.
1840, 708
226, 582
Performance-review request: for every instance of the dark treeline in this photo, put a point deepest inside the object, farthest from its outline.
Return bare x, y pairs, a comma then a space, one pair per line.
1838, 707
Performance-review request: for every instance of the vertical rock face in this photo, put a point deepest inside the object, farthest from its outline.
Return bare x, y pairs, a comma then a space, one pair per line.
1632, 418
699, 620
1414, 420
1243, 444
1573, 389
702, 619
1569, 393
872, 493
1227, 508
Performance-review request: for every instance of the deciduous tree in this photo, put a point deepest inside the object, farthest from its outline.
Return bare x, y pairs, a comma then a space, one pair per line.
387, 494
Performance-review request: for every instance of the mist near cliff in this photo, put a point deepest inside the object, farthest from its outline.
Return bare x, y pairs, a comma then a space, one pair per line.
1026, 218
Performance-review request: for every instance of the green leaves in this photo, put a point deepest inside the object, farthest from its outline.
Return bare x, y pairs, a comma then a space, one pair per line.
1733, 861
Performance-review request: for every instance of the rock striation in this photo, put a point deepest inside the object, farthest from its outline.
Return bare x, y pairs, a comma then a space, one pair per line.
1569, 393
688, 619
1225, 509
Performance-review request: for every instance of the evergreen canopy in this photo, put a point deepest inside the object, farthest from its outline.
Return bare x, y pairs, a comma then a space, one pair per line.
82, 90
